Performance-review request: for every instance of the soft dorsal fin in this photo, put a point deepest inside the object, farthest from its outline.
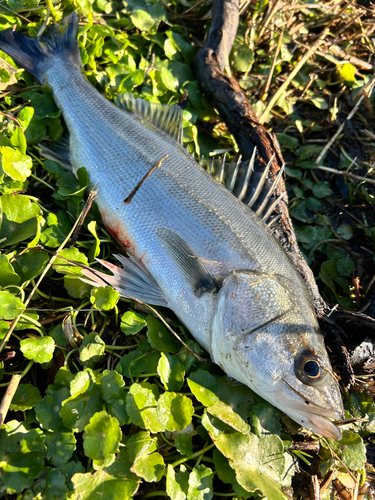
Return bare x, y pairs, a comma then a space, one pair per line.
167, 118
254, 189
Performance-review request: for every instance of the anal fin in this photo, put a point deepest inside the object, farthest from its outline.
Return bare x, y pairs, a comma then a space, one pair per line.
131, 280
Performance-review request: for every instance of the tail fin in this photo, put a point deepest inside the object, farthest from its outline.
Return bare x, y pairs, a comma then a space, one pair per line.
35, 55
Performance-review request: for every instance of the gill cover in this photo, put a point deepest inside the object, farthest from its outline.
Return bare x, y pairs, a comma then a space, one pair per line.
265, 335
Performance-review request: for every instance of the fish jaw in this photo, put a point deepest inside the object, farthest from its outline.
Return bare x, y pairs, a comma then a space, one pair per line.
259, 336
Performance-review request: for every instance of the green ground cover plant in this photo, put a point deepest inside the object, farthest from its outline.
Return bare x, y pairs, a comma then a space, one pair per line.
110, 403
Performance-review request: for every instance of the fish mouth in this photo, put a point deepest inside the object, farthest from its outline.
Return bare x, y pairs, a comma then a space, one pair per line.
311, 415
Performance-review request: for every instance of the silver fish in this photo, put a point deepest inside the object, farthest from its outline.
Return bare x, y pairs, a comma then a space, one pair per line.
194, 246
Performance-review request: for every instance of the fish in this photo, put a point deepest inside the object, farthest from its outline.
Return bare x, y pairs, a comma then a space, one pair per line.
194, 246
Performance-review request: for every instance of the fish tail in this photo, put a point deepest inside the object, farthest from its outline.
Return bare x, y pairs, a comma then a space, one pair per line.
36, 55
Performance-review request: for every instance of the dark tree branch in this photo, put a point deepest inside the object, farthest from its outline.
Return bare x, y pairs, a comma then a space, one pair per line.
225, 94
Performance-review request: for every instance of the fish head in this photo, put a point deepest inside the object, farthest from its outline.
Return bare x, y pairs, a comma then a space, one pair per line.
265, 335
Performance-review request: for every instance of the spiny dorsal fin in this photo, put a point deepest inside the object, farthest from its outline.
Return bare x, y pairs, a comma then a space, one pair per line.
167, 118
255, 189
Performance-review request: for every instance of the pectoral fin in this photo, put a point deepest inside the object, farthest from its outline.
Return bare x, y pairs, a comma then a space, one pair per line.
189, 263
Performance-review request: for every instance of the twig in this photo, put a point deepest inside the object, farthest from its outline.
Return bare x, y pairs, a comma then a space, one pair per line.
272, 68
129, 198
315, 487
82, 217
46, 269
8, 396
333, 139
346, 174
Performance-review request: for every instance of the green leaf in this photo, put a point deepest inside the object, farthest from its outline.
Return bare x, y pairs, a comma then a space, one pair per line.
149, 467
48, 409
102, 436
10, 306
169, 81
171, 372
265, 419
345, 266
25, 398
111, 384
44, 107
177, 483
184, 444
259, 462
345, 231
18, 220
7, 274
319, 102
61, 445
175, 411
350, 450
92, 350
159, 337
132, 323
25, 116
71, 254
328, 273
200, 483
141, 408
287, 142
4, 75
30, 264
242, 57
84, 402
321, 190
204, 387
104, 298
139, 444
142, 20
39, 350
15, 164
103, 485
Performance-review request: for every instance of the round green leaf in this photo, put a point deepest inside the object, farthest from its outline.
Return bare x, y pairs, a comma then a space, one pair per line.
141, 408
101, 436
60, 446
132, 323
204, 387
15, 164
18, 221
104, 298
26, 397
175, 411
39, 350
159, 337
149, 467
142, 20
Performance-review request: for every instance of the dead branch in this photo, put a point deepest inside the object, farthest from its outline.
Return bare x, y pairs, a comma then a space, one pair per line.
226, 95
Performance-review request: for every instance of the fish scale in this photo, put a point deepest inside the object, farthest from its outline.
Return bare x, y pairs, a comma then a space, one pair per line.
196, 248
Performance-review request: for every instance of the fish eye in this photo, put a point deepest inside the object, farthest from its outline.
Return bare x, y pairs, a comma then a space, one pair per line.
312, 368
308, 369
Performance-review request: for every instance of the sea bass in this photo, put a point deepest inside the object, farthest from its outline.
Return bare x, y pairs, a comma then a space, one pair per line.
194, 247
